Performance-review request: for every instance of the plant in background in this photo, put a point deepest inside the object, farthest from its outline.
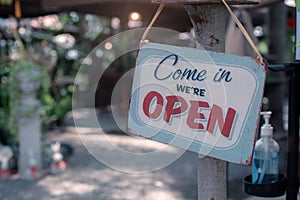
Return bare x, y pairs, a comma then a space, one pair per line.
28, 67
4, 104
25, 64
58, 48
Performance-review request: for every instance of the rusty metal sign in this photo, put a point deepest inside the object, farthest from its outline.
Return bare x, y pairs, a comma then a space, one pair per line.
201, 101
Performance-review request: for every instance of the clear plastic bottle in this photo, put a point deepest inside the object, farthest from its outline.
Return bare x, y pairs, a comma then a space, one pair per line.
265, 166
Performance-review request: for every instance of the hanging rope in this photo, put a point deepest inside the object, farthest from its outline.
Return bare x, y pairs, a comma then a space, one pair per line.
158, 11
237, 21
245, 33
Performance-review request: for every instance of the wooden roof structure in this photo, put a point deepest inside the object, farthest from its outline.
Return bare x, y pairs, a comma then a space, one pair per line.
174, 16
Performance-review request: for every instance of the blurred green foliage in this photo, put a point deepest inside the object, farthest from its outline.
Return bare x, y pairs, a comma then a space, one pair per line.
59, 50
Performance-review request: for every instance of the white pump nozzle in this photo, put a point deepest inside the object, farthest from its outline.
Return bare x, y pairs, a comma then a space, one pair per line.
266, 115
266, 129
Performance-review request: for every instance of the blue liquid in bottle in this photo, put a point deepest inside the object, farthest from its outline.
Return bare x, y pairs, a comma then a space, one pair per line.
265, 166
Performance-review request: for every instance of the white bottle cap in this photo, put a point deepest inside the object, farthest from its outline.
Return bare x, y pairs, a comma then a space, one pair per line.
266, 129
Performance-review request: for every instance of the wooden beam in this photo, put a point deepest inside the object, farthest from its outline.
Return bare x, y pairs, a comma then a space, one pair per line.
68, 3
232, 2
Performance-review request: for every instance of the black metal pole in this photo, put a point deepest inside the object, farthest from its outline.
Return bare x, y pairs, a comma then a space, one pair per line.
293, 134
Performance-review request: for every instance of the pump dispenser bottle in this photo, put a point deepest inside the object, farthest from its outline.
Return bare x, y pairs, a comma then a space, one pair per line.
265, 166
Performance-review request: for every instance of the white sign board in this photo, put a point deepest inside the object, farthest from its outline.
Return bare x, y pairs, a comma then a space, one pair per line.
205, 102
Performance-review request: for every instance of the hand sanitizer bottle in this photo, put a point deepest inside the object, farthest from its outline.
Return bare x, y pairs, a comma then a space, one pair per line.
265, 166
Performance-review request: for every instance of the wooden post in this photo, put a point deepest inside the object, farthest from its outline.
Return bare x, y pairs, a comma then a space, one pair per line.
209, 19
209, 24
